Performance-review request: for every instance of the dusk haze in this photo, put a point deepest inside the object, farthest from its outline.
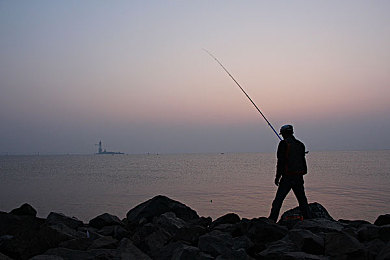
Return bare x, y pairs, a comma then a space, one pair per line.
194, 129
133, 74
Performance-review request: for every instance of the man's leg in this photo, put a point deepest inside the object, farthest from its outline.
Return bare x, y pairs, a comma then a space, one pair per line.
283, 189
299, 192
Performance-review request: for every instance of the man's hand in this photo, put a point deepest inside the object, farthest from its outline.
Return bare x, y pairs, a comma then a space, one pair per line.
276, 181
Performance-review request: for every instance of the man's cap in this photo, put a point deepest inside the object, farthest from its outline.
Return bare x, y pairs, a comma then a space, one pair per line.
286, 129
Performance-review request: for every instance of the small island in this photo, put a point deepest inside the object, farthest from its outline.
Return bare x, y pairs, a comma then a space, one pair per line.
101, 151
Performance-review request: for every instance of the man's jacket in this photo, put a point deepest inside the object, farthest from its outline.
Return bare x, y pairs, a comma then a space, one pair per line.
291, 158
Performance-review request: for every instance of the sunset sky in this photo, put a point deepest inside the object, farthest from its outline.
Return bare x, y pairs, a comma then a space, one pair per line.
133, 74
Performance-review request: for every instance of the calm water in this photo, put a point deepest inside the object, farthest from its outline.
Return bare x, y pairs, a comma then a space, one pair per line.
351, 185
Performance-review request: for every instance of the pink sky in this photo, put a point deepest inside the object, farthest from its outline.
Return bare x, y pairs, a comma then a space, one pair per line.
87, 71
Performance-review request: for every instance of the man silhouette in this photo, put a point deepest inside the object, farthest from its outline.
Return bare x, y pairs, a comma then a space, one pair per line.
290, 168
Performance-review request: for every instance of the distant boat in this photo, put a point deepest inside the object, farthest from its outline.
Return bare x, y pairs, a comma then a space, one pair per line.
101, 151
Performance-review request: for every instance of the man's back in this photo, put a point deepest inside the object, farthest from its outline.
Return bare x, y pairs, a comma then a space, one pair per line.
291, 157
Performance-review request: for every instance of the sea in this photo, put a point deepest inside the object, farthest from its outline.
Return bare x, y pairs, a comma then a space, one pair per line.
352, 185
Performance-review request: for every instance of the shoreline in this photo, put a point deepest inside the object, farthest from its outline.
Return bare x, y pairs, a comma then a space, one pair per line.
162, 228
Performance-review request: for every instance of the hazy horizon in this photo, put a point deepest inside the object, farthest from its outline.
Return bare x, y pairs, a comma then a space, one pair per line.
133, 74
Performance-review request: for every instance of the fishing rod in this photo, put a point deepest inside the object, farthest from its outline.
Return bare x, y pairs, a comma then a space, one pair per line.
273, 129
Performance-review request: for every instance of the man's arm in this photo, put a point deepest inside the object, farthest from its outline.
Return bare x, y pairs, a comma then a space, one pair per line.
281, 161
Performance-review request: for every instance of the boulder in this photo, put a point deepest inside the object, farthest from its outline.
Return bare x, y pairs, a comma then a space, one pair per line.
105, 220
117, 232
374, 247
276, 249
77, 243
56, 218
53, 235
384, 254
186, 252
230, 218
202, 221
319, 225
302, 256
157, 206
306, 241
342, 245
353, 223
262, 230
190, 234
24, 210
4, 257
157, 240
368, 232
242, 242
215, 243
104, 243
169, 222
65, 253
384, 233
316, 209
19, 236
24, 226
382, 220
128, 250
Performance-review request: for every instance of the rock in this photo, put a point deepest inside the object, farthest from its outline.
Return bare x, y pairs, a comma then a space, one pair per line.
89, 232
374, 247
319, 225
190, 234
276, 249
65, 253
230, 218
104, 243
46, 257
239, 254
354, 223
228, 228
169, 222
202, 221
316, 209
157, 240
58, 233
18, 236
157, 206
215, 243
242, 242
129, 251
77, 243
382, 220
72, 222
186, 252
306, 241
4, 257
302, 256
384, 233
368, 232
263, 230
341, 244
384, 254
117, 232
24, 210
105, 220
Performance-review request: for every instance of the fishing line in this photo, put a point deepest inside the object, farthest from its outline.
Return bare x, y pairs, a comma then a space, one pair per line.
235, 81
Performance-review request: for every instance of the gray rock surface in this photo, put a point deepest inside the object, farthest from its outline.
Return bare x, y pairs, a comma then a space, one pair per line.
157, 206
105, 219
24, 210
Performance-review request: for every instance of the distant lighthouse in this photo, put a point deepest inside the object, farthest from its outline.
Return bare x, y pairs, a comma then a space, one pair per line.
101, 151
100, 147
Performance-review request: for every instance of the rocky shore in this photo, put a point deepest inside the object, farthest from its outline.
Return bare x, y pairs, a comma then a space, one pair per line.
162, 228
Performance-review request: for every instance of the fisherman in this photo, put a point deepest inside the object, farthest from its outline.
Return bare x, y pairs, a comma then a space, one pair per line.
290, 168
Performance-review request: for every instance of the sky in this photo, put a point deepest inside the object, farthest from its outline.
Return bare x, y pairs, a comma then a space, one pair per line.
134, 75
